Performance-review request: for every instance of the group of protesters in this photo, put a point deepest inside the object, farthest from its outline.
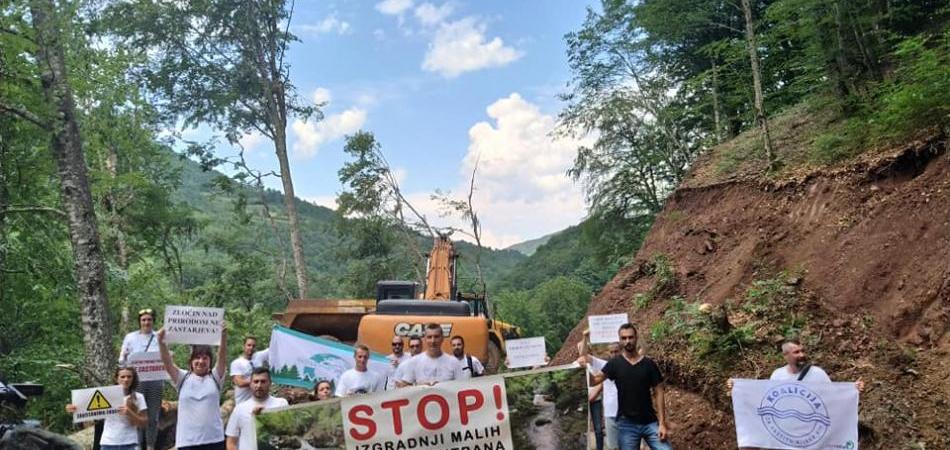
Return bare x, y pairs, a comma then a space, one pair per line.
626, 388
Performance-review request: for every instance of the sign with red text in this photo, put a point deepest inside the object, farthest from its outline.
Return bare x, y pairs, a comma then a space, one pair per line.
148, 365
193, 325
456, 414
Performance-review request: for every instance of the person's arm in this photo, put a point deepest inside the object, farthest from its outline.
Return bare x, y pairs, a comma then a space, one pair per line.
232, 443
136, 417
124, 351
594, 392
237, 377
222, 365
167, 361
659, 397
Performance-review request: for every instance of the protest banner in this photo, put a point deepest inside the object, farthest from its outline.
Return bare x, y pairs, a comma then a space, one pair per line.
193, 325
526, 352
148, 365
97, 403
794, 415
603, 329
543, 409
298, 359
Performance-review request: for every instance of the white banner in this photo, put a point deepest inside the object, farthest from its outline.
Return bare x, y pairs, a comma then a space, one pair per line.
97, 403
299, 359
603, 329
148, 365
193, 325
794, 415
527, 352
455, 414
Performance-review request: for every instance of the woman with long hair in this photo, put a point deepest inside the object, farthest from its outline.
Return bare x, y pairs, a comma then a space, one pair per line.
142, 341
121, 432
199, 395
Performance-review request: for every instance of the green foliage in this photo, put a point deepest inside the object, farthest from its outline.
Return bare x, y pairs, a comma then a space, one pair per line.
550, 310
664, 281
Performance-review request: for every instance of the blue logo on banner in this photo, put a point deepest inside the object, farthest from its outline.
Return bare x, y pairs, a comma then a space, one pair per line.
794, 415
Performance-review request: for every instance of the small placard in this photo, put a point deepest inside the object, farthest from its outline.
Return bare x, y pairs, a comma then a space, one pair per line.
149, 366
193, 325
527, 352
97, 403
604, 329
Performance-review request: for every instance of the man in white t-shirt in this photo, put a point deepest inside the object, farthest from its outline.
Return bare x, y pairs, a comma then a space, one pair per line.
241, 369
471, 366
396, 358
358, 380
433, 366
241, 432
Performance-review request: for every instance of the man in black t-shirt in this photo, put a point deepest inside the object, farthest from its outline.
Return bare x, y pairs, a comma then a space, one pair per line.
639, 385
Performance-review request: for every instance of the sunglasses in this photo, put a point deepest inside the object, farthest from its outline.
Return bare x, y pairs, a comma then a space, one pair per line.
146, 311
397, 344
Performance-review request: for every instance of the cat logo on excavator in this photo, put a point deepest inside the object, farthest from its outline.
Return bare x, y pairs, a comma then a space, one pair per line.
406, 329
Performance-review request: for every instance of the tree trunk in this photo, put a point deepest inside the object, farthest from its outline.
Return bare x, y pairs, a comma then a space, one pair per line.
715, 99
290, 201
118, 227
67, 150
757, 83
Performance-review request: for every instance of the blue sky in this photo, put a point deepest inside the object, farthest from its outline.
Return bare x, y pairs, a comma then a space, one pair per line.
440, 84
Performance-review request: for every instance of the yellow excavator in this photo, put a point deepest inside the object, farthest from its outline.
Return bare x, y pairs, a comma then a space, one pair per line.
401, 308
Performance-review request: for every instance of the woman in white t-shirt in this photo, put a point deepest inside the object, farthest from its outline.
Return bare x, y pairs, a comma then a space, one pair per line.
143, 341
199, 424
121, 432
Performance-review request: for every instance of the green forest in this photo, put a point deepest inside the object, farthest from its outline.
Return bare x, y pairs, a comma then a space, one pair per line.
106, 208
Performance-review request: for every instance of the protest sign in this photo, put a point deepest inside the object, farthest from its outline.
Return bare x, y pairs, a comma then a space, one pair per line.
193, 325
298, 359
97, 403
471, 413
527, 352
544, 409
795, 415
148, 365
603, 329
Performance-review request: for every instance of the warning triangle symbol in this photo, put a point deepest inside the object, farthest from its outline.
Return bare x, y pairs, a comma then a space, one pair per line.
98, 402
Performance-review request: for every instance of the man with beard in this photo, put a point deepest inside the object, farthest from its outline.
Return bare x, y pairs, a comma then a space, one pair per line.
397, 357
639, 386
241, 432
471, 366
431, 367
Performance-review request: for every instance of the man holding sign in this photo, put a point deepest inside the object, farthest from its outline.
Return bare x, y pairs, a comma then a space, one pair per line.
639, 386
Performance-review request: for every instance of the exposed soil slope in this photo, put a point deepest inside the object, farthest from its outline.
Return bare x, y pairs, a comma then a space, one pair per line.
855, 260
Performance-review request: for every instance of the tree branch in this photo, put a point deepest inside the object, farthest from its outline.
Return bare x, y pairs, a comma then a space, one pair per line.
24, 114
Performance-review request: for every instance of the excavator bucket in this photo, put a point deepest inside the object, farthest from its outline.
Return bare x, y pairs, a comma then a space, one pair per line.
336, 318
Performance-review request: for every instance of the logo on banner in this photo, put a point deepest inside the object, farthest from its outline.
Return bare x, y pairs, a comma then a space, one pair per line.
794, 415
98, 402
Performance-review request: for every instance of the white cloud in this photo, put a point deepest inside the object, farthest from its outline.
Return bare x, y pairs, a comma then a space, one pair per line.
461, 46
330, 24
429, 14
328, 201
251, 140
322, 96
379, 34
310, 136
393, 7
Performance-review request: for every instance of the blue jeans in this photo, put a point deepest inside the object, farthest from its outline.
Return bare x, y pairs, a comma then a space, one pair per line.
597, 422
631, 433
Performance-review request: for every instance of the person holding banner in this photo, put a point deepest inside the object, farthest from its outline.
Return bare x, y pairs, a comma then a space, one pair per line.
639, 386
121, 432
242, 429
358, 380
199, 424
607, 389
241, 369
433, 366
143, 341
398, 356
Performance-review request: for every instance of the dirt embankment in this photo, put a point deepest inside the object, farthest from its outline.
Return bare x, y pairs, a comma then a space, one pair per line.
854, 260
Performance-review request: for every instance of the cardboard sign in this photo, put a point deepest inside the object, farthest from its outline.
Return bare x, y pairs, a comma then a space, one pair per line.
193, 325
97, 403
149, 366
456, 414
604, 329
527, 352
